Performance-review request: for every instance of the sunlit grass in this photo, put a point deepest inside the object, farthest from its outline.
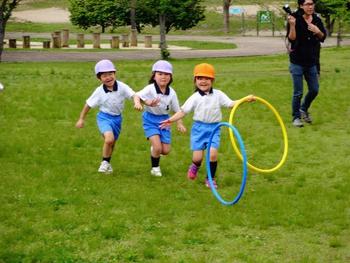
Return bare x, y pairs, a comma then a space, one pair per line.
55, 207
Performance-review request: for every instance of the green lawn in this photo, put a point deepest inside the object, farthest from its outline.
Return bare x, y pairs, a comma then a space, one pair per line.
55, 207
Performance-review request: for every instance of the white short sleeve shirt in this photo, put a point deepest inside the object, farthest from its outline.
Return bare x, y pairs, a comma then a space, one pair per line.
168, 100
111, 102
207, 107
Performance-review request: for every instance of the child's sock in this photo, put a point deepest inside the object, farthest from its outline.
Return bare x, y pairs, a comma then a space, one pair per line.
155, 161
107, 159
198, 164
213, 166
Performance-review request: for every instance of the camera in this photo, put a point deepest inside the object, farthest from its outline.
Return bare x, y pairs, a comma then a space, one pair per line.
298, 12
287, 9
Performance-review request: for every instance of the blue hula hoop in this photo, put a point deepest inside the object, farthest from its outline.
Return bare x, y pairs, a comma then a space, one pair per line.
244, 176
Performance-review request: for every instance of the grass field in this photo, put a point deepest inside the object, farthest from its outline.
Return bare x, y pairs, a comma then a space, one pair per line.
55, 207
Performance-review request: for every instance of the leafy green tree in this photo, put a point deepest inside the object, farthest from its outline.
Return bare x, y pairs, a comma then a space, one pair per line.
6, 7
171, 14
167, 14
88, 13
332, 10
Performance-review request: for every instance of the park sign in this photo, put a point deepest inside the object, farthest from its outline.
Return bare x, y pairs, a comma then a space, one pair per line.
264, 17
234, 10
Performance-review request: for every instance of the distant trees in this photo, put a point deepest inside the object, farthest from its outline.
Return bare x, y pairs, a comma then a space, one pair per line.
88, 13
167, 14
6, 7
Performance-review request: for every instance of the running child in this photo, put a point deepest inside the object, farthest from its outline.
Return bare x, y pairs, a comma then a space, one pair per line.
206, 103
159, 99
109, 97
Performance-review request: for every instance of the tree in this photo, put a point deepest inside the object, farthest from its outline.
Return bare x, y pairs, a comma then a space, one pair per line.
332, 10
172, 14
226, 12
88, 13
167, 14
6, 7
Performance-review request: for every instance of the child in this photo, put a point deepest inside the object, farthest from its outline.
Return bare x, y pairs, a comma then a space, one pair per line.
159, 98
109, 97
206, 103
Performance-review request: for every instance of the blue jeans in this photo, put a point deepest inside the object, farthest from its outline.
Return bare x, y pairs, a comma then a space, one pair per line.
310, 75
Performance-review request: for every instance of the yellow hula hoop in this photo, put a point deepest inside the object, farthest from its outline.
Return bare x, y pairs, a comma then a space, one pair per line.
284, 133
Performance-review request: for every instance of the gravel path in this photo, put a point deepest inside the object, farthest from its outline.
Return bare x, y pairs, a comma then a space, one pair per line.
246, 46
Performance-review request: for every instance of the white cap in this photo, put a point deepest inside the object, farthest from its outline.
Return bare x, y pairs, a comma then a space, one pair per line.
162, 66
104, 65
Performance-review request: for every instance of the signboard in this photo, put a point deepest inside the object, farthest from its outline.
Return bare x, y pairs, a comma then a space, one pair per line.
235, 10
265, 17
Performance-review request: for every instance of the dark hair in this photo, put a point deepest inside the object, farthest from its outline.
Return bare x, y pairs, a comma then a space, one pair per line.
301, 2
151, 80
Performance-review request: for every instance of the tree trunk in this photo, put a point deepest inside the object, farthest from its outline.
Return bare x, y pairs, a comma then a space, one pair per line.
2, 32
329, 25
339, 33
226, 13
133, 14
162, 43
5, 13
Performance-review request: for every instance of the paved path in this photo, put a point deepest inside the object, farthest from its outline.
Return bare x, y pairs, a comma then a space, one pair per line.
246, 46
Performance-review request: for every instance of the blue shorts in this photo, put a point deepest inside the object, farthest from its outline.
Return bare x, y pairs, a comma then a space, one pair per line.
200, 134
107, 122
151, 124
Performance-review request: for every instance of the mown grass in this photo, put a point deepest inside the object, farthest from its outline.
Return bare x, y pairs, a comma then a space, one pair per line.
55, 207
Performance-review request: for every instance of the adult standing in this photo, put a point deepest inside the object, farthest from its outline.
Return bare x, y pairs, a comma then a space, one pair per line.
305, 31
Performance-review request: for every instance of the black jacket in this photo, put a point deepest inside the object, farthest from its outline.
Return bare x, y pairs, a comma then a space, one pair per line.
305, 48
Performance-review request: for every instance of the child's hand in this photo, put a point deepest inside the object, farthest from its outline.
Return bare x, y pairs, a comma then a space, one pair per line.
251, 98
165, 124
138, 106
79, 124
181, 128
153, 102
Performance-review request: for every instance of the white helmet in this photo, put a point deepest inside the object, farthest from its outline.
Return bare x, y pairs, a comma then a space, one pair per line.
162, 66
104, 65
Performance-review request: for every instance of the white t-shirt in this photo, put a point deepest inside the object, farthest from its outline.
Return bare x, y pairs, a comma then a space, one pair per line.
207, 107
111, 102
168, 101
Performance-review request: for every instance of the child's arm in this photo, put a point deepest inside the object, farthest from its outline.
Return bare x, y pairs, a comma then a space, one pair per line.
80, 122
137, 103
167, 123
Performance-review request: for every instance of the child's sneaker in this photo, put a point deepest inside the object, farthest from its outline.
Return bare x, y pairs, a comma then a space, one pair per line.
110, 169
192, 172
156, 171
105, 167
207, 184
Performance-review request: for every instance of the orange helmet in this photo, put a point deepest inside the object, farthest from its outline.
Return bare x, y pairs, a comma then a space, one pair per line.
204, 70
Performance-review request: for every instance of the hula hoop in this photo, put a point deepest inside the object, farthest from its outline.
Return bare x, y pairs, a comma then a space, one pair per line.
284, 133
244, 177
